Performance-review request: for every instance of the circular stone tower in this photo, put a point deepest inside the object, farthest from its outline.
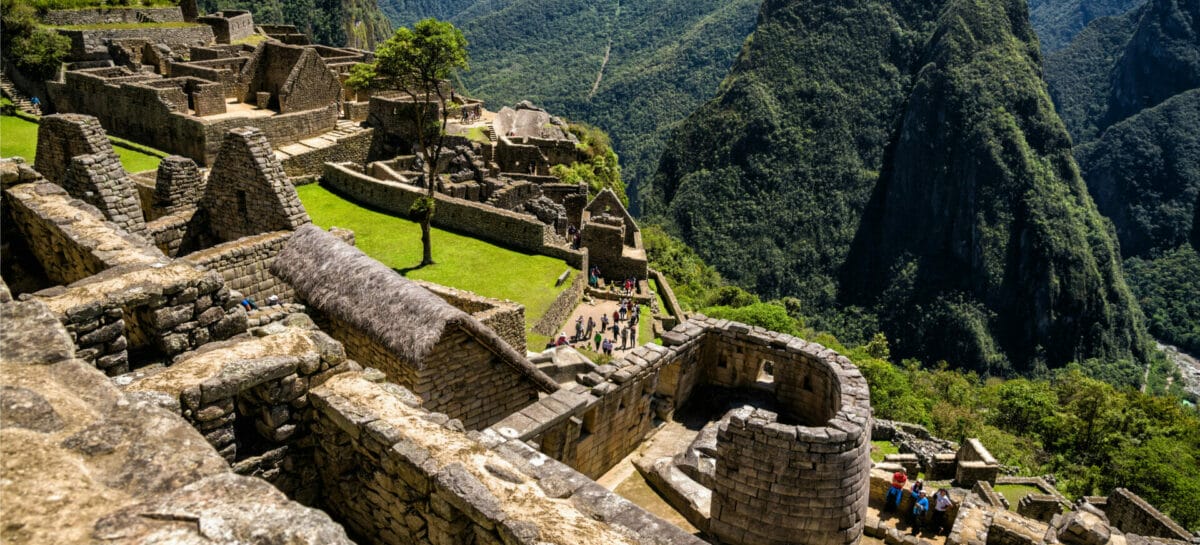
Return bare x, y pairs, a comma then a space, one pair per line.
800, 475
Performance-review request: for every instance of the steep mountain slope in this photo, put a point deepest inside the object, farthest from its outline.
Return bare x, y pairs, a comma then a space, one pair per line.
982, 222
1128, 88
1058, 21
1120, 66
1144, 174
356, 23
631, 68
904, 155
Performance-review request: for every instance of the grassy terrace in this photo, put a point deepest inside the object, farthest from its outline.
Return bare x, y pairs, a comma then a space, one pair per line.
18, 138
1014, 492
461, 262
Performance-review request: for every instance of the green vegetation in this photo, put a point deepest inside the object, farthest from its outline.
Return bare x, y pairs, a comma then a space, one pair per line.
664, 59
35, 51
601, 170
1128, 88
879, 449
417, 62
18, 138
900, 163
462, 262
1167, 286
1091, 434
353, 23
1057, 21
1014, 492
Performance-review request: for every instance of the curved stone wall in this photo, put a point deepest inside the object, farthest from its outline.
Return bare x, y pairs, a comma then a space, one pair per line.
802, 476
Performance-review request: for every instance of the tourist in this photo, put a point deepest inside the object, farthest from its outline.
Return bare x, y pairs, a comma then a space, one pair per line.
616, 329
624, 338
896, 492
603, 322
597, 339
248, 304
37, 103
917, 488
562, 339
591, 326
607, 345
578, 329
273, 300
920, 507
633, 334
616, 317
622, 312
941, 504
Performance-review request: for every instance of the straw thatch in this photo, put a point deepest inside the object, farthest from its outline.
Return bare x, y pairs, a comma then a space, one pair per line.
341, 281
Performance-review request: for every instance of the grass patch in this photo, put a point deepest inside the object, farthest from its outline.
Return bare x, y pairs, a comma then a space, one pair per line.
477, 134
125, 26
1014, 492
461, 262
253, 39
879, 449
18, 138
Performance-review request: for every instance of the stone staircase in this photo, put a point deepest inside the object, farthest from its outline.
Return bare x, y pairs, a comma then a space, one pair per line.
22, 102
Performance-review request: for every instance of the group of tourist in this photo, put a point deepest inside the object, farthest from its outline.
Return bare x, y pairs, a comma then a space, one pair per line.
470, 115
920, 503
575, 238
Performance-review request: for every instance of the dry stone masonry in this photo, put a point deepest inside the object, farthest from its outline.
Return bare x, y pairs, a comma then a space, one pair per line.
247, 191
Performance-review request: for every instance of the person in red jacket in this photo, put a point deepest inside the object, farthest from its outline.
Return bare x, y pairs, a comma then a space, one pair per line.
896, 492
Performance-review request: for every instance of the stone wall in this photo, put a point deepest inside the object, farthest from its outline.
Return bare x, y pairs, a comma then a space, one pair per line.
975, 463
460, 377
170, 233
93, 44
565, 303
504, 317
354, 148
229, 26
397, 474
106, 16
245, 266
158, 117
71, 239
247, 191
74, 152
509, 229
248, 397
178, 185
1132, 515
163, 310
86, 461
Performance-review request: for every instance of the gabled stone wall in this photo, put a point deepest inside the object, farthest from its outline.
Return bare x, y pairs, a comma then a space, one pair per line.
247, 191
245, 266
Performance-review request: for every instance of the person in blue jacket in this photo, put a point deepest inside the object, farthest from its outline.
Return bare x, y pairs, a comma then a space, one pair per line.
919, 510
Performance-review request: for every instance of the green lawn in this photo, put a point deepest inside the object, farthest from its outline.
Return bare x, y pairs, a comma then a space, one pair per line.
461, 262
1014, 492
18, 137
879, 449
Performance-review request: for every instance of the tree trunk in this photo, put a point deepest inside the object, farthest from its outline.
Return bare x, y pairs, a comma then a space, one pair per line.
426, 243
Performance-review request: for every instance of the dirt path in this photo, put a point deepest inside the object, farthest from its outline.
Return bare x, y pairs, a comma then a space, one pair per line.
594, 310
607, 52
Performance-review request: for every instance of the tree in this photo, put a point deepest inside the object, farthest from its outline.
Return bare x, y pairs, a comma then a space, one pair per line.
419, 62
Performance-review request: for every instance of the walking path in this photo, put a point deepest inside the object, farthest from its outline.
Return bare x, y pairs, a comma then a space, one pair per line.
595, 309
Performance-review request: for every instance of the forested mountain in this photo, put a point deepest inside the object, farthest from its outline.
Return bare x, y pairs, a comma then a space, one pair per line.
632, 68
1058, 21
904, 155
356, 23
1128, 88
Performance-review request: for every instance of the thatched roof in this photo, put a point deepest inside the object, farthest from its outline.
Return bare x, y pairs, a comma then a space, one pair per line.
341, 281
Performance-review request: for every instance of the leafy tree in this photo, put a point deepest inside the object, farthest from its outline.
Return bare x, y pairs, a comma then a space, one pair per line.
35, 51
420, 62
